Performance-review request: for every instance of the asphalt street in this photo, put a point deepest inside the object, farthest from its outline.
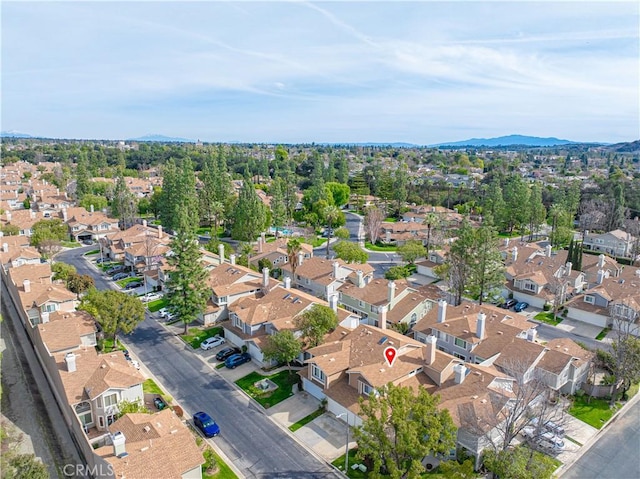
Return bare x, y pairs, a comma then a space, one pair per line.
257, 447
615, 454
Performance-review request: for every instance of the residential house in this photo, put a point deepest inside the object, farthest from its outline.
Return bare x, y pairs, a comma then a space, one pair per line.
152, 445
67, 331
276, 252
15, 251
472, 332
322, 277
114, 246
608, 300
434, 259
23, 219
617, 243
89, 225
384, 303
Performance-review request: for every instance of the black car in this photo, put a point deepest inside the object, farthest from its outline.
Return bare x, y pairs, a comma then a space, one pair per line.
159, 403
226, 352
115, 270
133, 285
509, 303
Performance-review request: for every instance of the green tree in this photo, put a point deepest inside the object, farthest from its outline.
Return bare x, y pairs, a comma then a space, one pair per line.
400, 185
316, 322
82, 177
123, 204
350, 252
187, 288
294, 246
79, 283
99, 203
278, 205
456, 470
431, 221
113, 310
486, 266
250, 215
47, 235
536, 211
456, 269
397, 272
62, 270
519, 463
24, 466
9, 230
282, 347
339, 192
400, 428
516, 195
128, 407
333, 217
342, 233
411, 251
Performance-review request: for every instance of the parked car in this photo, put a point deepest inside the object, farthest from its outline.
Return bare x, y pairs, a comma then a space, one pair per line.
102, 260
159, 403
119, 276
550, 426
521, 306
115, 270
206, 424
236, 360
509, 303
212, 342
127, 356
87, 242
226, 352
133, 285
150, 297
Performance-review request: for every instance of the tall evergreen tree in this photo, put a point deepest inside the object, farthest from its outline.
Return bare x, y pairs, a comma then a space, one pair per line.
82, 177
188, 291
250, 215
123, 204
278, 206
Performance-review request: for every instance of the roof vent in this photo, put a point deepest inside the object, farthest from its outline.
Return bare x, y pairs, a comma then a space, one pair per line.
332, 359
500, 332
146, 429
383, 340
475, 396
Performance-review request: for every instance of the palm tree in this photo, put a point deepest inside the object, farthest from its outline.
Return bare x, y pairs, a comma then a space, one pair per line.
331, 215
294, 246
216, 209
431, 220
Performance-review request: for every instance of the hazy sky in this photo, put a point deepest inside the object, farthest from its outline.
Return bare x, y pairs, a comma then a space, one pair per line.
420, 72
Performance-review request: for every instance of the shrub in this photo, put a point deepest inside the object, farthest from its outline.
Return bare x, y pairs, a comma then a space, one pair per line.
546, 307
209, 459
178, 410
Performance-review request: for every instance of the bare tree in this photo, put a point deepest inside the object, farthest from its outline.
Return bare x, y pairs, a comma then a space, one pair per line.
624, 361
558, 286
632, 226
591, 215
372, 220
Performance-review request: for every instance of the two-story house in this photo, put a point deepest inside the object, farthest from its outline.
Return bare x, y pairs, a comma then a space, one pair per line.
322, 277
276, 252
471, 332
385, 303
15, 251
616, 243
89, 225
22, 219
434, 259
114, 246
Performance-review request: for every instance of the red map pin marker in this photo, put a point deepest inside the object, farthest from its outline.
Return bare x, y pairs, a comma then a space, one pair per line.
390, 354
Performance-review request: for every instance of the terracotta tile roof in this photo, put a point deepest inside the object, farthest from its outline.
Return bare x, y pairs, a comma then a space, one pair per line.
35, 273
226, 274
99, 372
64, 330
279, 303
157, 445
569, 347
521, 354
320, 270
44, 293
373, 293
21, 252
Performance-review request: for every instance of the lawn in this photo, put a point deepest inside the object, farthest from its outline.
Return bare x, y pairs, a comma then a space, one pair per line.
93, 251
595, 413
315, 242
391, 219
603, 334
106, 266
380, 247
157, 305
123, 282
196, 335
354, 474
547, 317
70, 244
107, 345
306, 420
149, 386
283, 379
224, 471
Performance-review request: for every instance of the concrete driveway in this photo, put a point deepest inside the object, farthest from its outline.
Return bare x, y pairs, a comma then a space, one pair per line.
579, 328
327, 436
577, 433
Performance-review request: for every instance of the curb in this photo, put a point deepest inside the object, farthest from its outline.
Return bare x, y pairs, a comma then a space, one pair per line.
585, 447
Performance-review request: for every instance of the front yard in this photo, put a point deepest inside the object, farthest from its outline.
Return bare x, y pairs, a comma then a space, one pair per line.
123, 282
157, 305
547, 317
594, 411
284, 379
196, 335
380, 247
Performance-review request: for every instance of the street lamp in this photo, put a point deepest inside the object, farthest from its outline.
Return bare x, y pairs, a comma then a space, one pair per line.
346, 446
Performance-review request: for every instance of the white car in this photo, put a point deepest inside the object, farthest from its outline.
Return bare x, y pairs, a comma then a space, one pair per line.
212, 342
150, 297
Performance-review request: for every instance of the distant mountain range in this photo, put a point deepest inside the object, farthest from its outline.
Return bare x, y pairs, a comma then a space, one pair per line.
162, 139
509, 140
14, 134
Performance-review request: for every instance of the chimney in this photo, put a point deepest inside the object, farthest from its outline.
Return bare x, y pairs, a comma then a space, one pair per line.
568, 267
300, 257
44, 316
64, 215
144, 223
8, 216
601, 260
221, 253
32, 214
431, 349
336, 269
638, 273
26, 284
287, 282
480, 325
531, 335
91, 208
119, 441
263, 237
514, 254
442, 310
260, 243
333, 302
57, 190
232, 258
360, 279
382, 317
265, 277
391, 293
460, 372
5, 247
70, 359
600, 276
159, 231
506, 242
547, 251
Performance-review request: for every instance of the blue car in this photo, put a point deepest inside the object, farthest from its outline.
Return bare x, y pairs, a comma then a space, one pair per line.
236, 360
519, 307
207, 425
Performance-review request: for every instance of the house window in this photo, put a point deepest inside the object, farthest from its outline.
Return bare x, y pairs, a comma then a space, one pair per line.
460, 356
530, 287
99, 402
101, 421
111, 400
589, 299
49, 308
317, 373
361, 303
461, 343
366, 389
83, 410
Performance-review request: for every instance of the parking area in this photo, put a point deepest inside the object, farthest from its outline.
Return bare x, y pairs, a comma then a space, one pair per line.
579, 328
